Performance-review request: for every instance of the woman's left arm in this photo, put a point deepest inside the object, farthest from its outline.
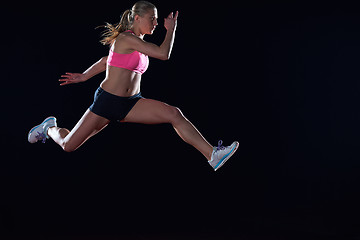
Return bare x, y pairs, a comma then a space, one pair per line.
93, 70
161, 52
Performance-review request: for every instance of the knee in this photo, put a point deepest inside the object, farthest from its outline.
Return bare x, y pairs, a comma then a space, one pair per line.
175, 115
68, 147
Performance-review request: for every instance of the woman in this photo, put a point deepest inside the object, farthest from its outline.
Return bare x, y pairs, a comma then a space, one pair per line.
118, 98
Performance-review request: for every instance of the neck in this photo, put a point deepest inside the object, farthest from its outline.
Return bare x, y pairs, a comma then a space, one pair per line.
137, 32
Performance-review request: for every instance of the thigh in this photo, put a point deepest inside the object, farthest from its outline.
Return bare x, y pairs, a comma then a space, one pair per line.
87, 126
148, 111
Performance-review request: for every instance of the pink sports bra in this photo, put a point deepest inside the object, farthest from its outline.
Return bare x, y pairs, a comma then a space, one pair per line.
135, 61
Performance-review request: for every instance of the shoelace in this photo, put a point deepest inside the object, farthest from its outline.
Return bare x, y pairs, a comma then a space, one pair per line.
220, 146
41, 136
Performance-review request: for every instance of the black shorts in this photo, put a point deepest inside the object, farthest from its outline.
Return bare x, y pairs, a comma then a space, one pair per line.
112, 107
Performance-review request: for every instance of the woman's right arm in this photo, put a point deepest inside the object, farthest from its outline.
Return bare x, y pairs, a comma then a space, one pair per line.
93, 70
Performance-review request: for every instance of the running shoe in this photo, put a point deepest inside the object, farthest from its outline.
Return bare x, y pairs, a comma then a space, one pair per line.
221, 154
39, 132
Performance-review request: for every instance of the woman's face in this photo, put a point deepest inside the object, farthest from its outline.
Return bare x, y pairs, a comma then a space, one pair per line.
148, 22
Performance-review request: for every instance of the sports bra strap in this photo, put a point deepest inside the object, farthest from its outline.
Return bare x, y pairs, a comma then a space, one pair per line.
130, 31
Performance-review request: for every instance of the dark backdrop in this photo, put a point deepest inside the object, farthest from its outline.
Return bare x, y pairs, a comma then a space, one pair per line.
281, 78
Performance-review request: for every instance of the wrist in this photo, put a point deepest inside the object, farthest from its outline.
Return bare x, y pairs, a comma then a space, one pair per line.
171, 30
85, 76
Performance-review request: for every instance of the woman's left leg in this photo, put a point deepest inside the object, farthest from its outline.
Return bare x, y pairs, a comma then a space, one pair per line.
148, 111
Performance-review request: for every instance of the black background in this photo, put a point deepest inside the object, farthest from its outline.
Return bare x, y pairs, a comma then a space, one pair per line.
281, 78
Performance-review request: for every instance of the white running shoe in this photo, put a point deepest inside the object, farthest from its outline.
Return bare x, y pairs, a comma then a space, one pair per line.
39, 132
221, 154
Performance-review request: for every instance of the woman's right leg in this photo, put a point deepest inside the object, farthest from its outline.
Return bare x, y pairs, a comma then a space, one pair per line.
88, 126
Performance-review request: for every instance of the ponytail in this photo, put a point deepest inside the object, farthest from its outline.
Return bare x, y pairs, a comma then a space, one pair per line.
113, 30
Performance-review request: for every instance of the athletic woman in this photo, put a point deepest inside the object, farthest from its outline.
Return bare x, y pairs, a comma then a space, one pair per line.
118, 98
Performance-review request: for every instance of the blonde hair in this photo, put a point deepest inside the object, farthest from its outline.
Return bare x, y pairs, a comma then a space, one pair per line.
127, 19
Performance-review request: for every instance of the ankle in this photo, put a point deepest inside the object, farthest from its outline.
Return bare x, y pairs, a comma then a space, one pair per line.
50, 130
209, 155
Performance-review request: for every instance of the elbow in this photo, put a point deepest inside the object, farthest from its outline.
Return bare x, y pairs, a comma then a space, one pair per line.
164, 54
165, 57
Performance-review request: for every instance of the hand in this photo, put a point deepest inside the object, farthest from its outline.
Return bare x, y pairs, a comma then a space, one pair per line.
170, 22
70, 78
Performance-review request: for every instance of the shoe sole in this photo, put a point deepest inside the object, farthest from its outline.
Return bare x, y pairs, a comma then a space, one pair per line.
47, 119
228, 156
